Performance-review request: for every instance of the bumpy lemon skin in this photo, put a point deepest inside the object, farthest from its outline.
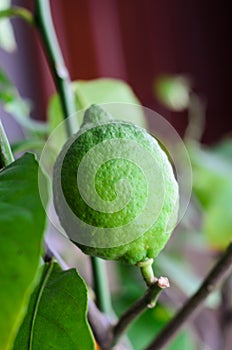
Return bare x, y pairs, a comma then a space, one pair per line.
154, 239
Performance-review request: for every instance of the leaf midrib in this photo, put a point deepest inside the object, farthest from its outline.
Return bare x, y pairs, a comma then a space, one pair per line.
38, 299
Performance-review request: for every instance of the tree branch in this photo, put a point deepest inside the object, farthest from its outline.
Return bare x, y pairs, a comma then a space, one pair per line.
44, 24
219, 272
147, 301
226, 292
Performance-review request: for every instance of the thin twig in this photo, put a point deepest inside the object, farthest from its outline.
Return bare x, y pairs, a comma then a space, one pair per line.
219, 272
147, 301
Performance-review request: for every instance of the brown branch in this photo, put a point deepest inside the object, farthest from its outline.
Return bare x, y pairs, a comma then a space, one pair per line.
219, 272
147, 301
224, 310
105, 333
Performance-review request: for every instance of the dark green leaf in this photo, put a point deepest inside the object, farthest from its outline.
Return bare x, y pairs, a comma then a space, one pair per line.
22, 221
56, 318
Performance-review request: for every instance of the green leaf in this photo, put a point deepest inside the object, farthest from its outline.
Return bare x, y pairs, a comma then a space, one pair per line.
98, 91
217, 219
29, 144
7, 39
22, 221
224, 149
18, 107
105, 90
212, 185
211, 173
56, 318
6, 156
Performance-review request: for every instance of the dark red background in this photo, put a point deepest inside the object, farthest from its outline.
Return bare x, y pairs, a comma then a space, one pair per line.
137, 41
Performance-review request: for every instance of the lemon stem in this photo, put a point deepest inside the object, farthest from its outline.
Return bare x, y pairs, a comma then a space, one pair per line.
147, 271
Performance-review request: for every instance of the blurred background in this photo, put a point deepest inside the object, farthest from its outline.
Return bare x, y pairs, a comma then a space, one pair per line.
136, 41
176, 56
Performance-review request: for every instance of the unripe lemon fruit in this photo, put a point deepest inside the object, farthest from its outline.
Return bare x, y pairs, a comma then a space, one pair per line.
114, 178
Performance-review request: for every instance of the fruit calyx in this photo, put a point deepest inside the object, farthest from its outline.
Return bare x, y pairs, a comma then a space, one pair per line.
96, 115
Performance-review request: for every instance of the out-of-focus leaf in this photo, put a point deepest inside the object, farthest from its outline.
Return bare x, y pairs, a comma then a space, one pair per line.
7, 39
97, 91
22, 221
196, 118
105, 90
183, 277
6, 156
211, 173
224, 148
212, 185
56, 317
173, 91
180, 272
217, 223
17, 107
27, 145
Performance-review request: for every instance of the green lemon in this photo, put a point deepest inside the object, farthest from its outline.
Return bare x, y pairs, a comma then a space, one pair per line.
114, 178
